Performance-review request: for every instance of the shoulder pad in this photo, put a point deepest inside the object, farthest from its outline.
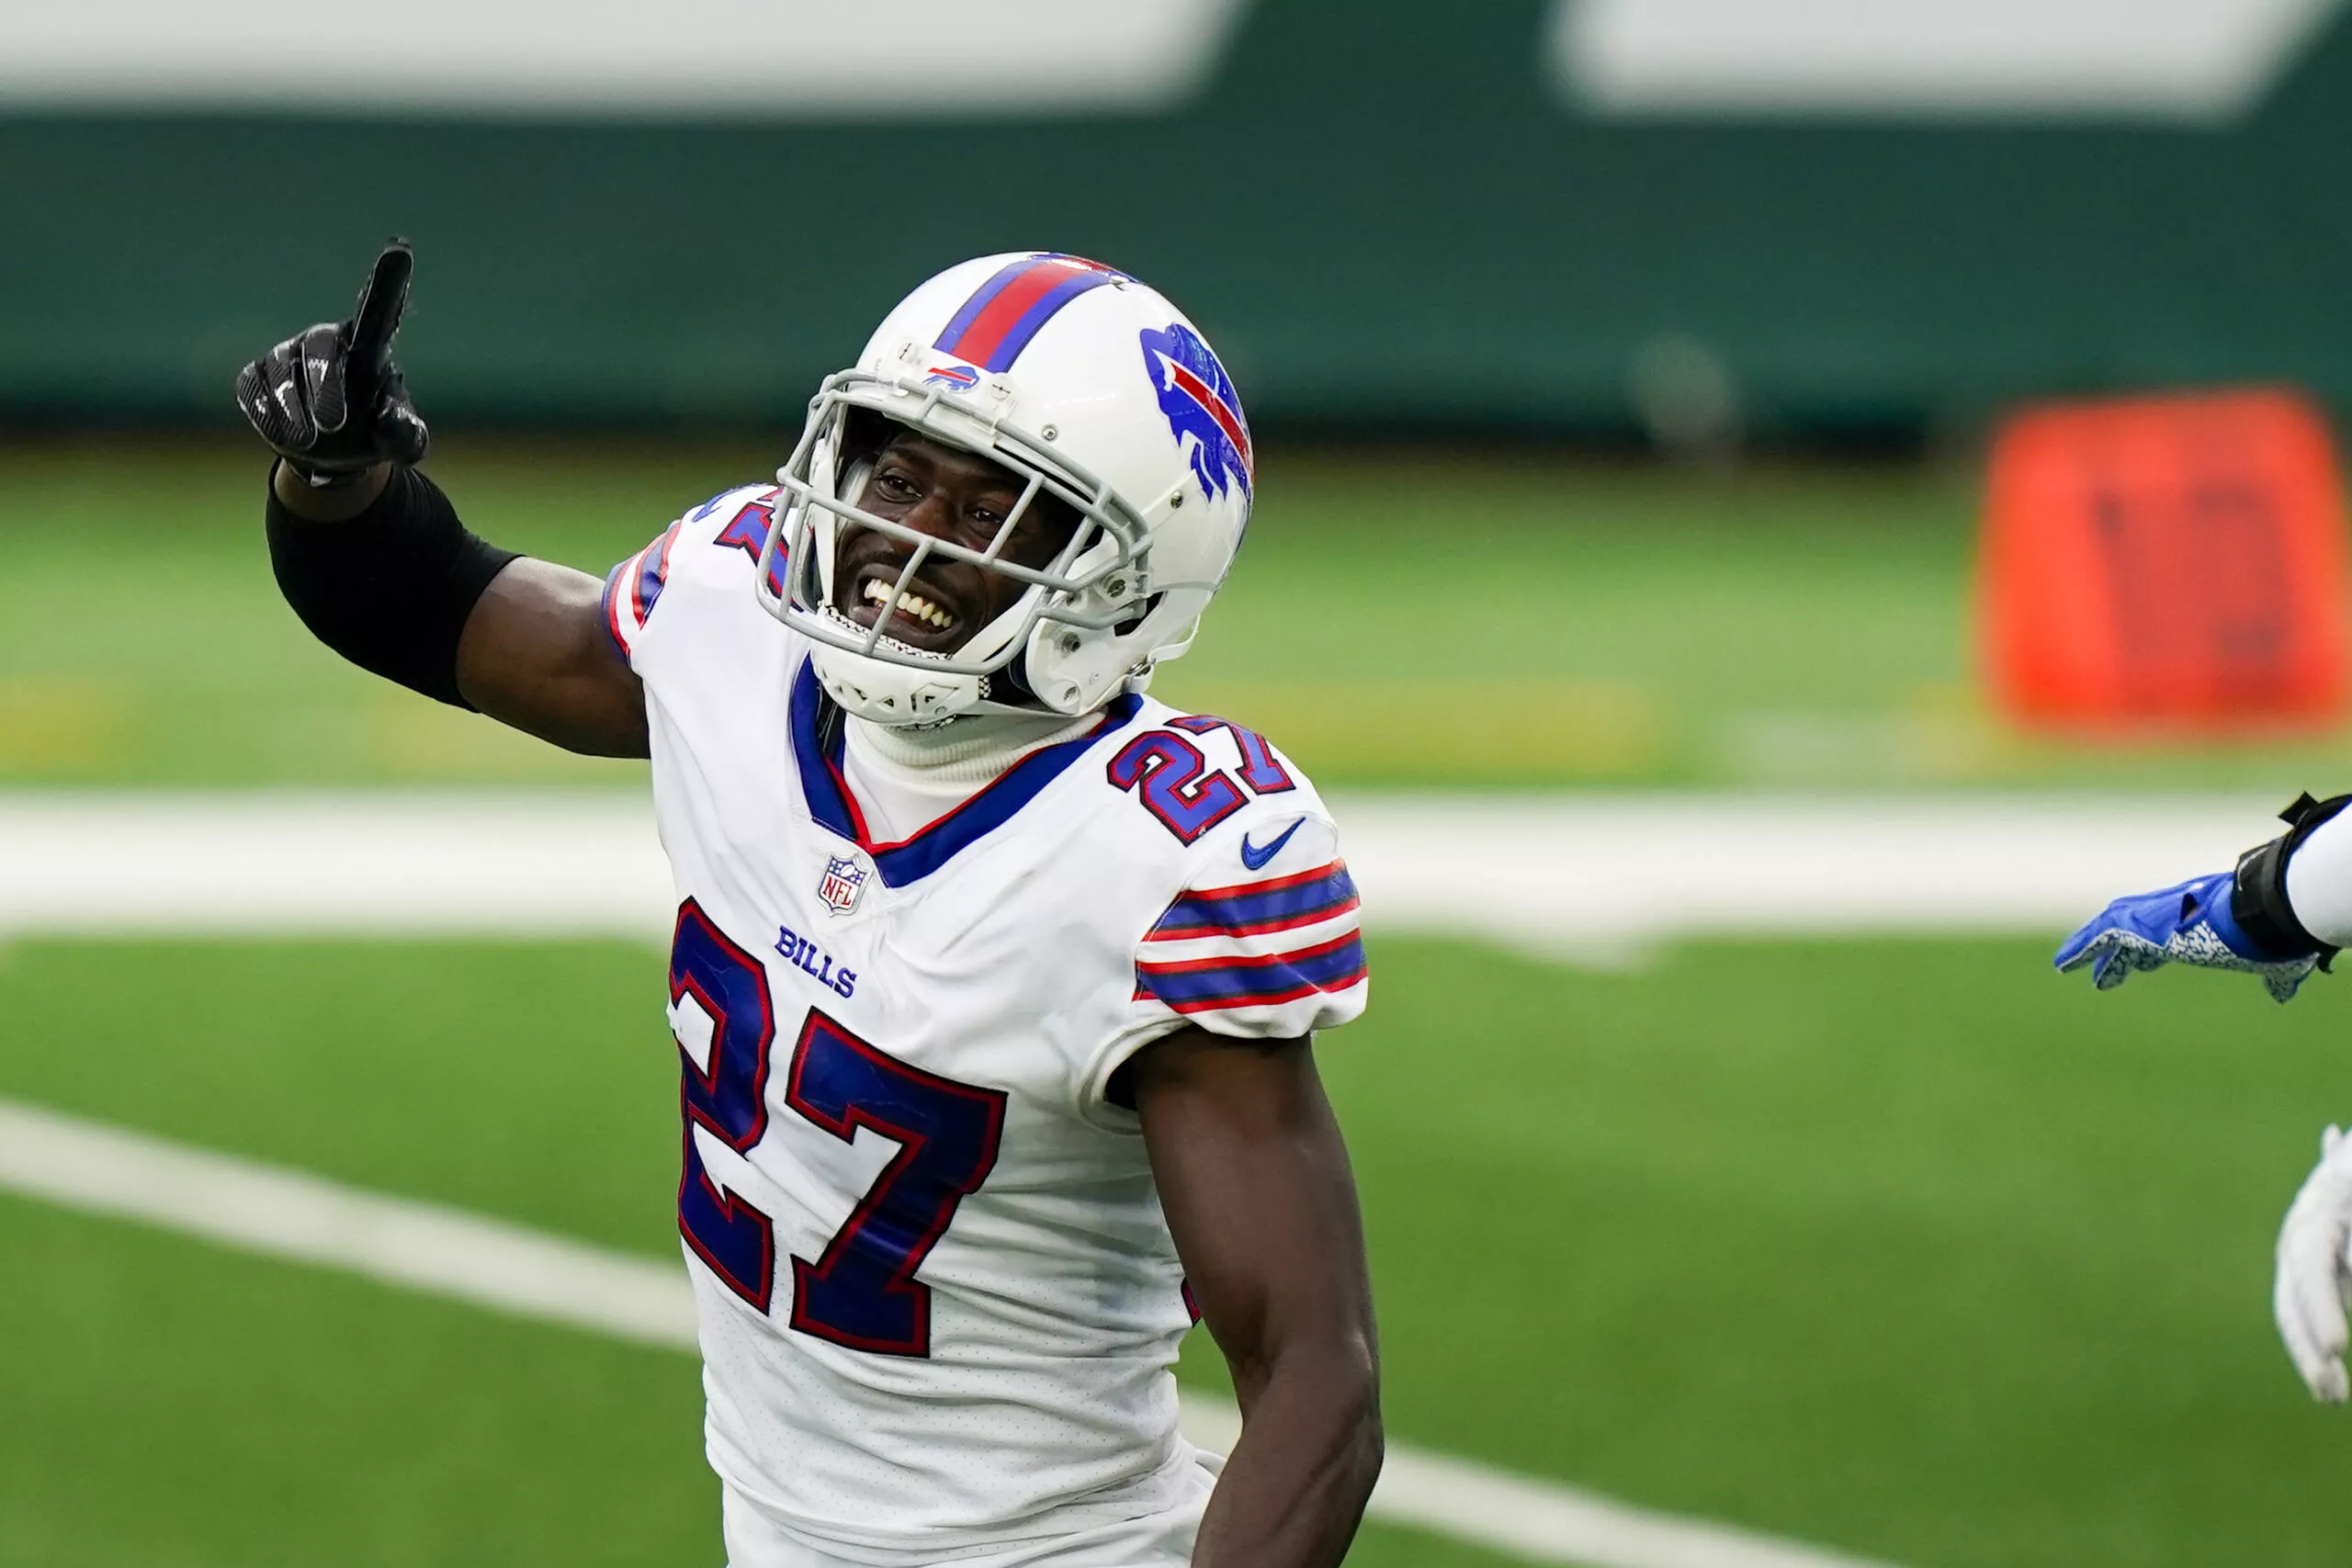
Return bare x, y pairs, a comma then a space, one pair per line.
702, 545
1206, 779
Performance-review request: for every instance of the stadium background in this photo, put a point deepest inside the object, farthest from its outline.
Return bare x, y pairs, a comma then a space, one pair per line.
1621, 433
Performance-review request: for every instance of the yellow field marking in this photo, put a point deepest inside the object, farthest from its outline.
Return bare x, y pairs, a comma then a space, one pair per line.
1527, 728
59, 723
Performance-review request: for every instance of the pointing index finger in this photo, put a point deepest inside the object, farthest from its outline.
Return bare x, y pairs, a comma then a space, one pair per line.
377, 317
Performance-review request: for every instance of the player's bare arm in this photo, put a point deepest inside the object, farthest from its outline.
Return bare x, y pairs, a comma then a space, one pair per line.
374, 558
1254, 1179
534, 654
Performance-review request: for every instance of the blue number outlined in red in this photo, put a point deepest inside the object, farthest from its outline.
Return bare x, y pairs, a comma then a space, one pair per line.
1261, 768
727, 1097
1168, 769
861, 1292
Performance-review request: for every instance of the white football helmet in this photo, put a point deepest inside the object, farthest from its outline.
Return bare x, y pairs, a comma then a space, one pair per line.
1085, 385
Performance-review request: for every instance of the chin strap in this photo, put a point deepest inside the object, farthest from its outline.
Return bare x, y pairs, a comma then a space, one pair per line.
2258, 892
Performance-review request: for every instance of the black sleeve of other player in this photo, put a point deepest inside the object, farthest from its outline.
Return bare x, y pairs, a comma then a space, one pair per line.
2258, 892
391, 589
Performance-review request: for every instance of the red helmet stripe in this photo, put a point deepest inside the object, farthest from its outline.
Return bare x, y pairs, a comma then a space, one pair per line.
996, 322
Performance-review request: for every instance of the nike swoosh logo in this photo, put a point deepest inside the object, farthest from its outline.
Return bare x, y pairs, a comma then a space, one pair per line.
1255, 857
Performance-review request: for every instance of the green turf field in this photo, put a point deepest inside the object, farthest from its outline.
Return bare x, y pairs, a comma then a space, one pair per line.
1621, 626
1928, 1253
1907, 1248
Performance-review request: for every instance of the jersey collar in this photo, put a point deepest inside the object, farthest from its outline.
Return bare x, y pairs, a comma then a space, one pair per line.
817, 752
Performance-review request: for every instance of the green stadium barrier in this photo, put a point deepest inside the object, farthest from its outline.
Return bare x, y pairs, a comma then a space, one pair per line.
1382, 212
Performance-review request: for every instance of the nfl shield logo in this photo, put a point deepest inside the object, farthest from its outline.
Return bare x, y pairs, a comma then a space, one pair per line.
843, 880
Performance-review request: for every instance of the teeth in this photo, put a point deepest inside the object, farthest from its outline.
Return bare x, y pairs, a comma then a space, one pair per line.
912, 605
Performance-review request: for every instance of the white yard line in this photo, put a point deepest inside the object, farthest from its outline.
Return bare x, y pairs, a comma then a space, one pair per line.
1579, 876
508, 1269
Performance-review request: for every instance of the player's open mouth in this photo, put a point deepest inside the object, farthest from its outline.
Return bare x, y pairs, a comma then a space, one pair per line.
926, 614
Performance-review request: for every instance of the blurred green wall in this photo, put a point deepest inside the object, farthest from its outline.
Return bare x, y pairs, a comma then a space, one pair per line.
1381, 216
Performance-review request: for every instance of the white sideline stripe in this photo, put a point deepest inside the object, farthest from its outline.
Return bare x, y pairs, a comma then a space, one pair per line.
290, 1214
508, 1269
1579, 875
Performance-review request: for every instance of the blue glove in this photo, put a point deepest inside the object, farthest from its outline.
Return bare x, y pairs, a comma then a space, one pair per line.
2188, 924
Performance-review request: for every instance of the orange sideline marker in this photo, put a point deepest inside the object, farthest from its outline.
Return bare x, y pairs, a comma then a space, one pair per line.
2166, 564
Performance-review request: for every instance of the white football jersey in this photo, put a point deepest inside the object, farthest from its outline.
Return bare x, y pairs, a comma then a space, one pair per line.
939, 1302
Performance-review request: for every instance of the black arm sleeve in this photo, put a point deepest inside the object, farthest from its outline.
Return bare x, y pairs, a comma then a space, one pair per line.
391, 589
2258, 892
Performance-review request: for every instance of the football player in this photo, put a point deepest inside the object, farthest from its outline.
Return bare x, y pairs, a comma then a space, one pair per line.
2283, 912
993, 979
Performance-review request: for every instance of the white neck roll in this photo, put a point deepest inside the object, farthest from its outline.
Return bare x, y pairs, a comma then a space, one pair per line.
907, 779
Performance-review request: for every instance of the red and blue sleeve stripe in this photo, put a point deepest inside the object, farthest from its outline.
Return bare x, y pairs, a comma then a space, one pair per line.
653, 574
1209, 985
632, 587
615, 597
1256, 908
996, 322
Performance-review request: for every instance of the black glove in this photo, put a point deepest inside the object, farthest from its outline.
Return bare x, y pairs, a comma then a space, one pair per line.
330, 402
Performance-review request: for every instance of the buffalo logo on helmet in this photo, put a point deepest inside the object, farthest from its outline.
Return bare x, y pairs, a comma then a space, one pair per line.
962, 378
1204, 412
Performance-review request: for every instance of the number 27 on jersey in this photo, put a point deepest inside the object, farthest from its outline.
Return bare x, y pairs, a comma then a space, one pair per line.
861, 1291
